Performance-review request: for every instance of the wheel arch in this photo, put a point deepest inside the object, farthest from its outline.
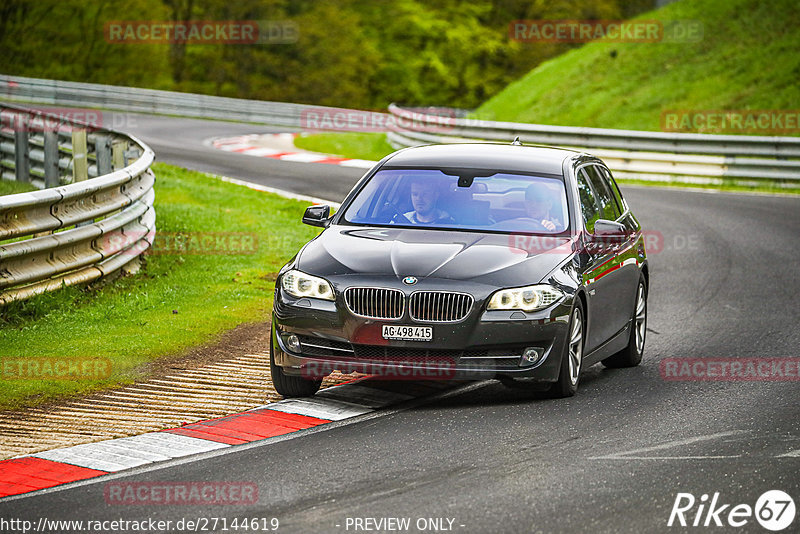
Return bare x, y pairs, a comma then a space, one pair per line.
646, 274
580, 295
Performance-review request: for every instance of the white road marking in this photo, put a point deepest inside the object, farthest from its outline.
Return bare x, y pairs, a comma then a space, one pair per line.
303, 157
287, 194
231, 140
358, 163
234, 146
631, 455
667, 457
261, 151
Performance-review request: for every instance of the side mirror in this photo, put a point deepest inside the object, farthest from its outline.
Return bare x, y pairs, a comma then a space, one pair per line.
606, 228
317, 216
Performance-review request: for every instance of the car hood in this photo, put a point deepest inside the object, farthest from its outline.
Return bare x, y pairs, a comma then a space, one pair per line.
499, 259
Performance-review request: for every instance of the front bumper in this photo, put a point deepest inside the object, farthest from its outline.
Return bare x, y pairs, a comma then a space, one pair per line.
485, 344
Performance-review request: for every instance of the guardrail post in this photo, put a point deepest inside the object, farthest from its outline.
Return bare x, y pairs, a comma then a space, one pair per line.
118, 154
80, 164
22, 162
102, 147
51, 175
131, 154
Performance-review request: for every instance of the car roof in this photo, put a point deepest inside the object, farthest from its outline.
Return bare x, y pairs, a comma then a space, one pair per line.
507, 157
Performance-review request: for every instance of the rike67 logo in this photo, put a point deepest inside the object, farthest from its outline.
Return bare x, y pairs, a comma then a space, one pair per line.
774, 510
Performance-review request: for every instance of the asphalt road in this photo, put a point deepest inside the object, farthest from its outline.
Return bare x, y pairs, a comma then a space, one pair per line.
183, 142
493, 459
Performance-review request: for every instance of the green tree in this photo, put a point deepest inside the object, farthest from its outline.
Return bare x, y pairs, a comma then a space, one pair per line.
350, 53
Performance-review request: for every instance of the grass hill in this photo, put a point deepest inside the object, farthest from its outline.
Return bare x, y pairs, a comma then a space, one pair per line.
748, 58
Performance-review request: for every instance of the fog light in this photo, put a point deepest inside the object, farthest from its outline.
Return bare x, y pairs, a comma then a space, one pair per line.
531, 356
293, 343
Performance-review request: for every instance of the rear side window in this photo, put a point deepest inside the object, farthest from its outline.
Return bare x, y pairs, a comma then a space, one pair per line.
608, 205
589, 205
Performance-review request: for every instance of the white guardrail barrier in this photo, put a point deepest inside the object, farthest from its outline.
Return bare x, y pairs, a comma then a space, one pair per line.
651, 156
138, 100
99, 223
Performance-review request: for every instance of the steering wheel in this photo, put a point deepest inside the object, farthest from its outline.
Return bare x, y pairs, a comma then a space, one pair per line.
537, 225
388, 214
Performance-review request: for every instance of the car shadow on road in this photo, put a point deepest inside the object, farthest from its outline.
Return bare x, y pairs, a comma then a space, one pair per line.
594, 383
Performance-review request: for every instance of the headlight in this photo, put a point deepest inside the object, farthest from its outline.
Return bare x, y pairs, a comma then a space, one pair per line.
528, 298
299, 284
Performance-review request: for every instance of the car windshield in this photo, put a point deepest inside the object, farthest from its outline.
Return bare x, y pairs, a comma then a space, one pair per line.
430, 198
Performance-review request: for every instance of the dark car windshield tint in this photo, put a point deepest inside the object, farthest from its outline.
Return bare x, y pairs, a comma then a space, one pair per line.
429, 198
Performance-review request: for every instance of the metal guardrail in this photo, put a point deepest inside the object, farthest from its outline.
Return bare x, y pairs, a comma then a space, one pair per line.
658, 156
653, 156
134, 99
98, 224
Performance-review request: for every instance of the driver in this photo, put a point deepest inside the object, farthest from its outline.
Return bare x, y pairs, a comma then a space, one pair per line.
538, 206
424, 197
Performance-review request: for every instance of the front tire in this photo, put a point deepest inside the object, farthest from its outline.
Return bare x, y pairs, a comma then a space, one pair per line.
287, 385
572, 360
631, 355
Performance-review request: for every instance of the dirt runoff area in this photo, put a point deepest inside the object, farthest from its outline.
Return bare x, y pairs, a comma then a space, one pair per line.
229, 376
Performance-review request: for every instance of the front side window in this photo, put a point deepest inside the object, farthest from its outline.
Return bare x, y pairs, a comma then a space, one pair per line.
608, 206
590, 208
432, 198
614, 188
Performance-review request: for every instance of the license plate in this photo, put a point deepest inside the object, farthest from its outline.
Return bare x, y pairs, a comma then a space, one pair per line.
408, 333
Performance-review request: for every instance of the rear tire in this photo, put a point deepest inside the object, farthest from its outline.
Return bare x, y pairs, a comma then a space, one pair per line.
287, 385
631, 355
572, 360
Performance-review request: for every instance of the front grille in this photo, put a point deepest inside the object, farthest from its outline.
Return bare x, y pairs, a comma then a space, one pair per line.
396, 354
440, 307
376, 303
378, 352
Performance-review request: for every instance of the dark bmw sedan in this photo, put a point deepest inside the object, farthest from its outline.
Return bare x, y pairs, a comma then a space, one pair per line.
466, 261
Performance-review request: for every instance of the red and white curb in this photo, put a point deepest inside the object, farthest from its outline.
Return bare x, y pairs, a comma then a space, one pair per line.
70, 464
283, 150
